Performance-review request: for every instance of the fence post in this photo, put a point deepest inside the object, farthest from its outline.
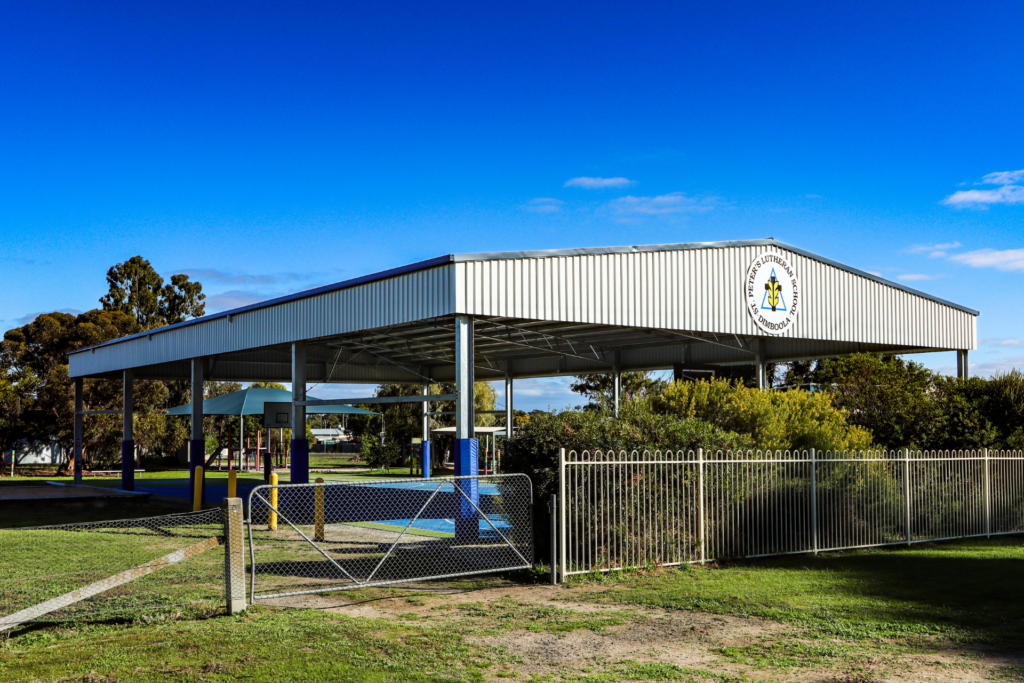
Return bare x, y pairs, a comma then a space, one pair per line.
814, 499
553, 509
197, 492
561, 513
988, 499
272, 513
700, 492
318, 510
906, 489
234, 556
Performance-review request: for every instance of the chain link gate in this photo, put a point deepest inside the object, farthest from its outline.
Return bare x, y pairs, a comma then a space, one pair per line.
315, 538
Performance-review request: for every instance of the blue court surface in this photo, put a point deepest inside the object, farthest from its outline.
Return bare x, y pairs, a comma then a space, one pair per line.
447, 526
214, 492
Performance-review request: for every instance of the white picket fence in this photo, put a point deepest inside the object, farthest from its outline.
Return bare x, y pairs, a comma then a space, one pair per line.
618, 510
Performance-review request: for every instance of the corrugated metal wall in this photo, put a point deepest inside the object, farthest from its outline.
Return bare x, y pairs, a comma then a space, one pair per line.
690, 289
403, 298
701, 290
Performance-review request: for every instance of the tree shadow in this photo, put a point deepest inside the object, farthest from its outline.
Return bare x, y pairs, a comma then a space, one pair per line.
968, 590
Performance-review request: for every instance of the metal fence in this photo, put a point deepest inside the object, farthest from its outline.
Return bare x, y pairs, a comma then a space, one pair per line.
312, 538
618, 510
132, 565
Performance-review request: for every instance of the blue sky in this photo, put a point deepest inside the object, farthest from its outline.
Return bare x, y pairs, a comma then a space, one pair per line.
267, 148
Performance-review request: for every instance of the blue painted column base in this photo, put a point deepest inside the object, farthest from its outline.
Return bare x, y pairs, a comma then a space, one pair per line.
467, 464
128, 465
300, 461
426, 460
196, 458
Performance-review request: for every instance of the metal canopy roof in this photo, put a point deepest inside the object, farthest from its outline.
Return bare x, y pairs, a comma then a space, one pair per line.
542, 314
251, 402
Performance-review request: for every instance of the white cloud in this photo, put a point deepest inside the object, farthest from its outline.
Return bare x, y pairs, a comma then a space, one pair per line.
1005, 259
991, 367
1003, 178
915, 277
543, 205
598, 183
548, 393
30, 317
235, 298
933, 250
1009, 190
1008, 194
813, 196
662, 205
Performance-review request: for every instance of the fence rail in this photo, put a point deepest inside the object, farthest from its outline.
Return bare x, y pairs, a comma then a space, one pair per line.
618, 510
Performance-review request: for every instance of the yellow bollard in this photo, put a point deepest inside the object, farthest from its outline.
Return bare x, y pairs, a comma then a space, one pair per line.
232, 484
272, 518
318, 510
197, 490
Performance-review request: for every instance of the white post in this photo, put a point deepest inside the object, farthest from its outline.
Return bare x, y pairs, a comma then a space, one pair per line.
241, 441
561, 512
814, 498
425, 423
509, 412
234, 556
906, 488
988, 498
464, 387
700, 486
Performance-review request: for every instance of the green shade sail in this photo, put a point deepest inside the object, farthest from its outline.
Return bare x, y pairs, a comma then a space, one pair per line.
250, 402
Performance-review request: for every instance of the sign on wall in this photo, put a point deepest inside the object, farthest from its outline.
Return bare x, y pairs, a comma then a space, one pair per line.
773, 293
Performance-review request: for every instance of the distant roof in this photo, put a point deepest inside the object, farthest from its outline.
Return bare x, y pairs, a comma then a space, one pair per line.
478, 430
250, 402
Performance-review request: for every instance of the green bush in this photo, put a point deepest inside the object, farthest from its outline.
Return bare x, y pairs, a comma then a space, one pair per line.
775, 420
533, 450
378, 455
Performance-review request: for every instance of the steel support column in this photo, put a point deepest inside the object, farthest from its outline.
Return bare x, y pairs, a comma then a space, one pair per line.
616, 383
77, 455
128, 436
300, 445
509, 411
961, 364
467, 448
197, 444
425, 447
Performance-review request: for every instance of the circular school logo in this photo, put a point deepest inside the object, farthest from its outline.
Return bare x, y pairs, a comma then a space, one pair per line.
773, 293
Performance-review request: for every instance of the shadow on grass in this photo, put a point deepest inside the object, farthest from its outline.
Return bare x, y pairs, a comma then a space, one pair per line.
965, 590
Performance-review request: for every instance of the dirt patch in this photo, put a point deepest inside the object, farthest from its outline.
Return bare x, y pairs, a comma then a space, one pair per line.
693, 640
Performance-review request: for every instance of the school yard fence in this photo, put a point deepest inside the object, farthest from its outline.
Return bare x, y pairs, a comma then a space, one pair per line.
184, 561
618, 510
322, 537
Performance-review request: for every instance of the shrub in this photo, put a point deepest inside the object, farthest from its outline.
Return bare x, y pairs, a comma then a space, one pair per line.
533, 450
378, 455
774, 420
890, 396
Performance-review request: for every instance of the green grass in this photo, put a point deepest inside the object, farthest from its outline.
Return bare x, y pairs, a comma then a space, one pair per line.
966, 591
265, 644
